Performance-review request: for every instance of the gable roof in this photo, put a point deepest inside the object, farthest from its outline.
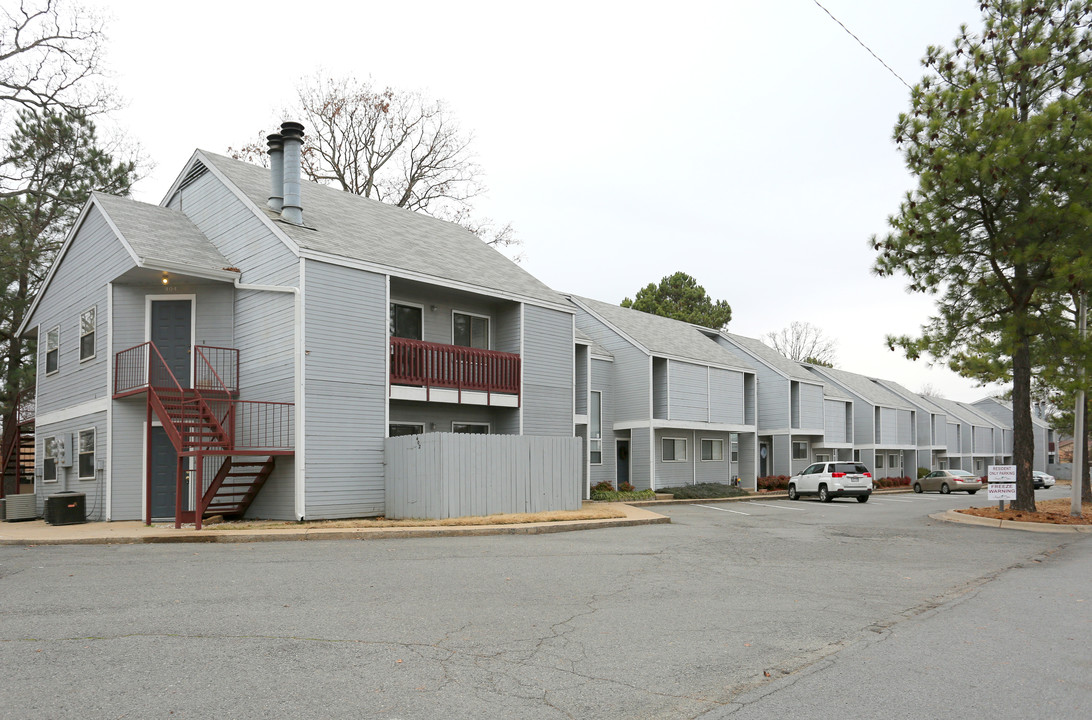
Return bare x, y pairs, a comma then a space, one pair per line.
663, 336
862, 386
155, 237
920, 400
778, 362
958, 411
582, 338
1006, 417
342, 225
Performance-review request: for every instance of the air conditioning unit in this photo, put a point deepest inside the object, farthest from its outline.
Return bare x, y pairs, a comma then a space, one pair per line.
20, 507
66, 508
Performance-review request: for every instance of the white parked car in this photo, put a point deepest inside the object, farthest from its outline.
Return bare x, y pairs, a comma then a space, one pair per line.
1042, 480
829, 480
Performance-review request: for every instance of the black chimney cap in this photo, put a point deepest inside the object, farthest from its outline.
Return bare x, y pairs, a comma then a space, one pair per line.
291, 130
275, 141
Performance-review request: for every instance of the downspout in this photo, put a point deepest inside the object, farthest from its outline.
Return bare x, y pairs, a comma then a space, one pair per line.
297, 389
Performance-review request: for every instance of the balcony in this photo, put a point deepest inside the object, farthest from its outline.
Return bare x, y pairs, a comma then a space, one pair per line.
452, 373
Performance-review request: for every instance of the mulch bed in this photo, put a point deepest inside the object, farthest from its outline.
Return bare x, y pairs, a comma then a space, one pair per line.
1055, 512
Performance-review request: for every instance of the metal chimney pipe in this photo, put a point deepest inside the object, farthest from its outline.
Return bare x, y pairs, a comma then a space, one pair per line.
276, 166
292, 137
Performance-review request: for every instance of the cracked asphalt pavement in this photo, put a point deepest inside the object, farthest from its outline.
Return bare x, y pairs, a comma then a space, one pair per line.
778, 609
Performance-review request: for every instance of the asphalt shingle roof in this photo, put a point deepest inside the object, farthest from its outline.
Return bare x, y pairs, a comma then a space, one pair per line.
863, 386
771, 357
664, 336
358, 228
914, 397
159, 233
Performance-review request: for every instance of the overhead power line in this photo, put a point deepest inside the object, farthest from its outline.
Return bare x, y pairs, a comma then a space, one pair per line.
861, 43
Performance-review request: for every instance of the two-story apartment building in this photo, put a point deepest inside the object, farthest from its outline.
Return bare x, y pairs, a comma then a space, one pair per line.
667, 405
801, 417
251, 343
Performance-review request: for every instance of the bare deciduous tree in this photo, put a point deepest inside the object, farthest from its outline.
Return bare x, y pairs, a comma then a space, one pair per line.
804, 342
929, 390
395, 146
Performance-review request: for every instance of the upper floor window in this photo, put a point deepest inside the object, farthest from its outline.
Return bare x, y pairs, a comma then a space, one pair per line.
87, 454
53, 350
595, 428
405, 321
470, 330
87, 334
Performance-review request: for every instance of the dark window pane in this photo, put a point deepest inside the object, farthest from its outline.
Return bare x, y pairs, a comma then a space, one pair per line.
400, 430
87, 465
470, 429
51, 361
405, 322
87, 346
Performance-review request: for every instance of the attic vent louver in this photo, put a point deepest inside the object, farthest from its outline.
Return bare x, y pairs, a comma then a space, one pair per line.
195, 172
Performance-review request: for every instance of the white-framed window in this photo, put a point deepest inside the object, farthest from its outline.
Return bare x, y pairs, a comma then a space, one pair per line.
86, 449
49, 459
712, 449
53, 351
470, 428
822, 457
799, 450
893, 462
595, 427
856, 456
879, 460
673, 449
470, 330
406, 321
87, 334
735, 451
401, 429
944, 463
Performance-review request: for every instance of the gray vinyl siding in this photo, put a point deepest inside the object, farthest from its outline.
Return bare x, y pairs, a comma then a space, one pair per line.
277, 499
237, 232
265, 335
632, 401
952, 441
773, 401
889, 427
965, 439
547, 372
834, 422
601, 376
1039, 459
782, 455
905, 427
811, 406
345, 390
688, 391
442, 415
983, 440
580, 368
748, 462
128, 417
713, 471
437, 324
864, 431
749, 399
673, 474
68, 478
212, 307
640, 455
727, 397
94, 258
444, 475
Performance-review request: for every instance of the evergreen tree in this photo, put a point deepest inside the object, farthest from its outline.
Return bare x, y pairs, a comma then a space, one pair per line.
680, 297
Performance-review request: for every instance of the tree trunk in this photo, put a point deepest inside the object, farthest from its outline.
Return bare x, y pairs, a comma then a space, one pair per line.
1023, 436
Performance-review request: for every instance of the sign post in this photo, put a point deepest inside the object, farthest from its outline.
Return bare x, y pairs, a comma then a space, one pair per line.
1002, 484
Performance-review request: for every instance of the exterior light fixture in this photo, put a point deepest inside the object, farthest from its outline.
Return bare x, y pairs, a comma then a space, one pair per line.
166, 278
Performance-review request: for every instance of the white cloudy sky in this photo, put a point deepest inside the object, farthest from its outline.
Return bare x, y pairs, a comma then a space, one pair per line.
745, 143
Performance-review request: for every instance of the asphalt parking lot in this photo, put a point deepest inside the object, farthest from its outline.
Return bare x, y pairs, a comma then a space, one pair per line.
728, 611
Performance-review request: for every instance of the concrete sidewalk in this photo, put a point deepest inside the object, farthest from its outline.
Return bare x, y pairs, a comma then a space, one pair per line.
37, 532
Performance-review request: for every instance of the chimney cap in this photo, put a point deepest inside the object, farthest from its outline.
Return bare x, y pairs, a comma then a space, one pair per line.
275, 141
291, 130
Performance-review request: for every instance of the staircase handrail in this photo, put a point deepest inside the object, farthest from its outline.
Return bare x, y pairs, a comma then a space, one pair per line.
199, 353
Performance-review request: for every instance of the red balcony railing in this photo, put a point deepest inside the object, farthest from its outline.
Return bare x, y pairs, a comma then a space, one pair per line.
216, 369
432, 365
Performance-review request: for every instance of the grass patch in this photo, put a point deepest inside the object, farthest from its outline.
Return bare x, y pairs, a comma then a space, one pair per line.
622, 496
588, 512
704, 490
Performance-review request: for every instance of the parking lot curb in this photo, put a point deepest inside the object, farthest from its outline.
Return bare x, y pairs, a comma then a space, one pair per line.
954, 516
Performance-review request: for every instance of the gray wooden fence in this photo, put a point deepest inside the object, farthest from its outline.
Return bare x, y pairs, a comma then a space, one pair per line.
446, 475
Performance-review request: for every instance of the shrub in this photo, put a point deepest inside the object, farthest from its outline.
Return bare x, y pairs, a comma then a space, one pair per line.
625, 487
773, 482
617, 496
704, 490
922, 472
604, 486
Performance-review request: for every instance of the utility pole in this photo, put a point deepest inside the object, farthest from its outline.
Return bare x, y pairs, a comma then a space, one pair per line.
1079, 447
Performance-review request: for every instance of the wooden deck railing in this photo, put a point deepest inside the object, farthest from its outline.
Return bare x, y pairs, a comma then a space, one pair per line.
433, 365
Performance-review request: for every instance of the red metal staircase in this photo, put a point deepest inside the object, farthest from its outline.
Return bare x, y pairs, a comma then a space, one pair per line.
233, 442
17, 445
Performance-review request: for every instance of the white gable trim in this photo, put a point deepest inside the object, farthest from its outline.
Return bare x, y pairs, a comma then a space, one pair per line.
430, 279
198, 156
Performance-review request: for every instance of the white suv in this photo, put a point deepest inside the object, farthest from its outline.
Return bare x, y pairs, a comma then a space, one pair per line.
829, 480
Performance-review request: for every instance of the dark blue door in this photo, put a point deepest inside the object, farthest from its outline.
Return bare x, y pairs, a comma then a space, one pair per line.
623, 461
164, 467
171, 333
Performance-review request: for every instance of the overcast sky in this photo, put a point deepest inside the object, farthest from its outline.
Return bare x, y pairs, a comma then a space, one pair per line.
745, 143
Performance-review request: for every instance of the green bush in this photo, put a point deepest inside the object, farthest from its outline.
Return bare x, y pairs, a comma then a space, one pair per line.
617, 496
604, 486
922, 472
704, 490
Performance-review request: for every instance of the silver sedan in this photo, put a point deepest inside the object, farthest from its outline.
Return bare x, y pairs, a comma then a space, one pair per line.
946, 481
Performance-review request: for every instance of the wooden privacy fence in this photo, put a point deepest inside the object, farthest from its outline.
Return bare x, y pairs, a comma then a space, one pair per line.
447, 475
